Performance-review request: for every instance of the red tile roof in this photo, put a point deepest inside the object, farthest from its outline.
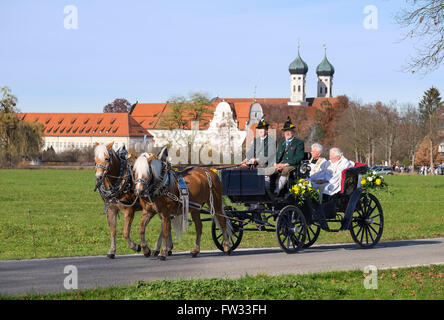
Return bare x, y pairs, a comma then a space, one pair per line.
87, 124
149, 115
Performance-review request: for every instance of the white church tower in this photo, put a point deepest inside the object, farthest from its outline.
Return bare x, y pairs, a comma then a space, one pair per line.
298, 71
325, 71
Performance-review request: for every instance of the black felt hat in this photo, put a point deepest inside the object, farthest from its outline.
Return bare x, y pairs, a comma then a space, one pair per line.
262, 124
288, 125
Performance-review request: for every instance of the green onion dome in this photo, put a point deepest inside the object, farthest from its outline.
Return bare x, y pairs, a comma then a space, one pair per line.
298, 66
325, 68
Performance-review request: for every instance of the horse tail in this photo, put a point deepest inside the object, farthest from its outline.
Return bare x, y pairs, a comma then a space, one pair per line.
180, 222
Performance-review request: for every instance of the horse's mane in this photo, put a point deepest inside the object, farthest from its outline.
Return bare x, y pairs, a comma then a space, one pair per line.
101, 152
141, 166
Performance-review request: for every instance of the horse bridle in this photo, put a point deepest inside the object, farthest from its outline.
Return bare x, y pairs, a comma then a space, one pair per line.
105, 168
152, 190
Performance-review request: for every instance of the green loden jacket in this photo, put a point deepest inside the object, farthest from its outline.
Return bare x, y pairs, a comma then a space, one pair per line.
293, 155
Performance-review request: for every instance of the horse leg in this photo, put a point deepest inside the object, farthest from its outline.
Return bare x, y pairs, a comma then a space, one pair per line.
129, 216
111, 216
146, 218
195, 215
166, 229
159, 243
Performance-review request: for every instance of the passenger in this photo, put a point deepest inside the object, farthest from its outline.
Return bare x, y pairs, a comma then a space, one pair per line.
317, 163
289, 155
328, 181
262, 149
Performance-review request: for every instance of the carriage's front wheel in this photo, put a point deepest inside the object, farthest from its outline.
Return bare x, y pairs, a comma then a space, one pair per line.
313, 231
234, 239
291, 229
367, 221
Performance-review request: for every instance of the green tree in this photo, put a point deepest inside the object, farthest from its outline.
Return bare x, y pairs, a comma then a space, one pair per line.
198, 106
431, 111
182, 110
175, 117
18, 139
8, 101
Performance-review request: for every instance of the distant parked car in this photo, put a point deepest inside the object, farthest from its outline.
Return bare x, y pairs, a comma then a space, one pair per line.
439, 170
382, 170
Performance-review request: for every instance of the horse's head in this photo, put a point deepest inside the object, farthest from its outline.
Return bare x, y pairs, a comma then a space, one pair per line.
102, 159
147, 169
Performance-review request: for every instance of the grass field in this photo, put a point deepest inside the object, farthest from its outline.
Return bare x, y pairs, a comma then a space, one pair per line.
410, 283
67, 217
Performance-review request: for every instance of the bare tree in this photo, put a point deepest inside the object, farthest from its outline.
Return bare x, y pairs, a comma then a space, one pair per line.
424, 21
118, 106
411, 131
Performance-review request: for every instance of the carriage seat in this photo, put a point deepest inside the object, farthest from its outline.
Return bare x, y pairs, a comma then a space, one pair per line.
350, 178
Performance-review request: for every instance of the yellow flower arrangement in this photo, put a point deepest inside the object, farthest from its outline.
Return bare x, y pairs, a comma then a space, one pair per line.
303, 189
371, 180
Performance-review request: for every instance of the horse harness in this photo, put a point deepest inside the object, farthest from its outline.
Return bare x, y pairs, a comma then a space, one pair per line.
123, 183
160, 186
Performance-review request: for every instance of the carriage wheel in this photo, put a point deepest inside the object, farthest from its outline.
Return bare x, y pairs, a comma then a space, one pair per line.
291, 229
236, 234
313, 231
367, 221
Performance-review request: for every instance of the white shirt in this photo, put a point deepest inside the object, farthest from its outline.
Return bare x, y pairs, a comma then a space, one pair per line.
316, 168
333, 173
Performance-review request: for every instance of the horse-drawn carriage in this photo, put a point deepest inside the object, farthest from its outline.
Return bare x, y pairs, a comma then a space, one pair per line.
298, 226
154, 188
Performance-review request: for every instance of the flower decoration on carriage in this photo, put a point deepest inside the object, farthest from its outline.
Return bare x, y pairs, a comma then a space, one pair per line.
303, 189
374, 181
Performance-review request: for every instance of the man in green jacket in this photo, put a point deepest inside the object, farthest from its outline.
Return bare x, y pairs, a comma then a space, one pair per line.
289, 155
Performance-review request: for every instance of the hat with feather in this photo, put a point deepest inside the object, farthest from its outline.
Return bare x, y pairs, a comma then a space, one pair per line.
262, 124
288, 125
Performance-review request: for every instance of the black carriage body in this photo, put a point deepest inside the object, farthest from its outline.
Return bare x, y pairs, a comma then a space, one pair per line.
244, 186
351, 207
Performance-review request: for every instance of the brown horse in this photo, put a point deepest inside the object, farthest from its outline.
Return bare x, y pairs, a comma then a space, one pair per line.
115, 184
156, 185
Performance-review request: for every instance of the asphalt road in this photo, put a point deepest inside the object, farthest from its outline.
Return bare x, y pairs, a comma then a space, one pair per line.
47, 275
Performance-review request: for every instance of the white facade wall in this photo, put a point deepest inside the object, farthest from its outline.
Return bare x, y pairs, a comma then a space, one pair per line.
61, 143
325, 86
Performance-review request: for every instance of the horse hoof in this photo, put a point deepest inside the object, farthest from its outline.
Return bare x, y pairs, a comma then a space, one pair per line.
139, 248
170, 253
161, 258
156, 253
147, 255
194, 254
111, 255
228, 253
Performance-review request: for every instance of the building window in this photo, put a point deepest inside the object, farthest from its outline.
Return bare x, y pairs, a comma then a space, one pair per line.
299, 88
294, 88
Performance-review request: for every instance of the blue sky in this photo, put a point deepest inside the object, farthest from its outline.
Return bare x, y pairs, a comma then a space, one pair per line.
152, 50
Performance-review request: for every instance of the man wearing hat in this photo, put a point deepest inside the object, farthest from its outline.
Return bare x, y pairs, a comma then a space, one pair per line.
289, 155
262, 148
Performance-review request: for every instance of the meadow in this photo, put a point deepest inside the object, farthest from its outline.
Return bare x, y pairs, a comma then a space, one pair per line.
55, 213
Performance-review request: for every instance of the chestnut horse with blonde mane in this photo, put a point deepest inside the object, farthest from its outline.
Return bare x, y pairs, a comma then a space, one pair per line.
157, 186
115, 184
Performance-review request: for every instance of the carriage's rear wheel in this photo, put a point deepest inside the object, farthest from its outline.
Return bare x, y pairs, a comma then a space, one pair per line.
234, 239
367, 221
291, 229
313, 231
